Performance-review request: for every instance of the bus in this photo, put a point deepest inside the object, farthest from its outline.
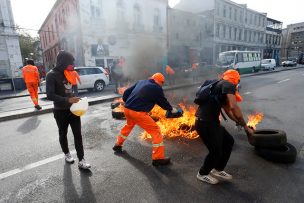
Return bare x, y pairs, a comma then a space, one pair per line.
242, 61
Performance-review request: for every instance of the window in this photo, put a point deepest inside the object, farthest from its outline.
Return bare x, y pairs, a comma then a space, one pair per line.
120, 11
157, 17
245, 57
137, 15
235, 33
217, 30
224, 31
224, 11
245, 35
177, 36
230, 12
95, 8
240, 34
241, 16
230, 33
235, 14
240, 57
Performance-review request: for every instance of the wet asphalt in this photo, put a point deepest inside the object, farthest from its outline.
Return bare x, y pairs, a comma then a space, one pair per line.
130, 177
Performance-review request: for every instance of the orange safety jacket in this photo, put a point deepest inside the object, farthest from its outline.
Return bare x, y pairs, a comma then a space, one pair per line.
72, 76
30, 74
169, 70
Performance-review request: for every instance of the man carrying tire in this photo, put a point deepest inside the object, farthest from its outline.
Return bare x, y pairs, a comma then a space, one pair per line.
216, 138
139, 100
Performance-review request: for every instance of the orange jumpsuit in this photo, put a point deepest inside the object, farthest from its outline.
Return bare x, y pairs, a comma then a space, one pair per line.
143, 96
31, 78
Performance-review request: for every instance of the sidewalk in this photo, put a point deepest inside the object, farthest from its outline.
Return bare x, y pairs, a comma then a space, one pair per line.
27, 112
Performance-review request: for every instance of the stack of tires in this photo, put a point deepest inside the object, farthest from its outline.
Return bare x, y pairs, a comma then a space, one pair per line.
272, 145
117, 114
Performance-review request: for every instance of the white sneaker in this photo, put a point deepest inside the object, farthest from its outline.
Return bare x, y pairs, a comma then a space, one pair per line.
83, 164
207, 178
68, 158
222, 175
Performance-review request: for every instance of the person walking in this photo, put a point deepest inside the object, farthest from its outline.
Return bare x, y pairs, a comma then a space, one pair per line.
216, 138
139, 100
59, 90
32, 80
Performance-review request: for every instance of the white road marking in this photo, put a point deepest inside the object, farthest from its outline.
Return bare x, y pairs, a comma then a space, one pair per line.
247, 93
33, 165
284, 80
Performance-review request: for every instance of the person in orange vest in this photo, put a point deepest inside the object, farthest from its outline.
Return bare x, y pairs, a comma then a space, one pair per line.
32, 80
194, 69
139, 100
170, 73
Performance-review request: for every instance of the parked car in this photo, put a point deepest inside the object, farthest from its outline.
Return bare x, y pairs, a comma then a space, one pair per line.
289, 63
268, 64
92, 78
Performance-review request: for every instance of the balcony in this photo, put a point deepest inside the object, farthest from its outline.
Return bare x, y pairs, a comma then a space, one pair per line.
276, 30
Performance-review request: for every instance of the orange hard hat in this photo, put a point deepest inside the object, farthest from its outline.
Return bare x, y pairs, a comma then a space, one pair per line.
158, 78
232, 76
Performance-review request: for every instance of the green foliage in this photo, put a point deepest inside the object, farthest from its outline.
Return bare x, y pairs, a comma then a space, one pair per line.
30, 46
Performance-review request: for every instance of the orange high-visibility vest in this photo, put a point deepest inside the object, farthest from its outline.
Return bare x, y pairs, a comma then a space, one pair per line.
72, 76
169, 70
194, 66
30, 74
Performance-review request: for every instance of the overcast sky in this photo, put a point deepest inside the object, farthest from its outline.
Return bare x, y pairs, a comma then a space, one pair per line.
31, 13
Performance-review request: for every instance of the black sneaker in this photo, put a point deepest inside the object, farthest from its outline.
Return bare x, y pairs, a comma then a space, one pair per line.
117, 148
38, 107
161, 162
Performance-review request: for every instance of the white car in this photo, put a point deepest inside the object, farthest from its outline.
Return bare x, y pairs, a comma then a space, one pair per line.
92, 78
289, 63
268, 64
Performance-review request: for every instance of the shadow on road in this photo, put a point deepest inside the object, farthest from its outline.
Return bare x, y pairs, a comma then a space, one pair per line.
29, 125
70, 193
166, 182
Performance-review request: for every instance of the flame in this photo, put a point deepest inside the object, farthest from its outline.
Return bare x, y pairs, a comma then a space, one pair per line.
254, 119
121, 90
174, 127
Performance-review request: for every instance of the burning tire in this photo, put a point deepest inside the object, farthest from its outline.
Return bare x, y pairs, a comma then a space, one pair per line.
287, 153
268, 138
118, 114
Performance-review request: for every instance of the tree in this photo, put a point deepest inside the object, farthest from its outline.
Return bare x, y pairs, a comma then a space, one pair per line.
30, 46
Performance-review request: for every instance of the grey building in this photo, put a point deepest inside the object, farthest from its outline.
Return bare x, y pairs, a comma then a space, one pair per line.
293, 41
273, 40
10, 55
228, 26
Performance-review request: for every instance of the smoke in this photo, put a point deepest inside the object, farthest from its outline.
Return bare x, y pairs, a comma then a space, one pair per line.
145, 60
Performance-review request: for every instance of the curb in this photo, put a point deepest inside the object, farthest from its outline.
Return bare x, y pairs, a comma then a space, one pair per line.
11, 115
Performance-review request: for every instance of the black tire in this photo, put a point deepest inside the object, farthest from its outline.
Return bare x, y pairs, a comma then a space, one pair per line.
115, 104
99, 85
118, 114
284, 154
268, 138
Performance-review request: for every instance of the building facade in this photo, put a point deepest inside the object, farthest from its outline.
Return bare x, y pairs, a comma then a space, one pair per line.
10, 55
293, 41
273, 40
229, 26
100, 31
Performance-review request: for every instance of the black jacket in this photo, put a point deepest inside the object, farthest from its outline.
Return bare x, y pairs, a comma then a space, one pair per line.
58, 89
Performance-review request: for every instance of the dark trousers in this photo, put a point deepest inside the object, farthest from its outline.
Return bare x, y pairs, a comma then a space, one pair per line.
75, 90
219, 143
64, 118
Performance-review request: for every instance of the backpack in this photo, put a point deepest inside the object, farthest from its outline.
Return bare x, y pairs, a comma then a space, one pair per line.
204, 92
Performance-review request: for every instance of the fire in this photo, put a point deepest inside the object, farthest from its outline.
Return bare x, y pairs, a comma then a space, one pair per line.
254, 119
121, 90
174, 127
